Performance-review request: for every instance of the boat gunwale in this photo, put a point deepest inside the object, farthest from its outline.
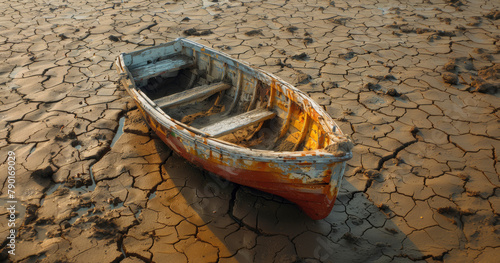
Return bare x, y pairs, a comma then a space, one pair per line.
187, 132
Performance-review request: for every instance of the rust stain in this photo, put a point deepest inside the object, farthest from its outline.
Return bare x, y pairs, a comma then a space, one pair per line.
162, 130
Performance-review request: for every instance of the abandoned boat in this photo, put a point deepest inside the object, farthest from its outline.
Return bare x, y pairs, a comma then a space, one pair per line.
241, 123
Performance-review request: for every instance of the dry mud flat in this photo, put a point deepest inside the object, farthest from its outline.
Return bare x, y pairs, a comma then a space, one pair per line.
415, 83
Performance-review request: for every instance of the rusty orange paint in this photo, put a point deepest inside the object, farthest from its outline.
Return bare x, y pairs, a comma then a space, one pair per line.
286, 123
260, 176
271, 96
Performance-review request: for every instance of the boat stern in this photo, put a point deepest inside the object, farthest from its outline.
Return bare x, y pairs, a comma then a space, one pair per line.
318, 202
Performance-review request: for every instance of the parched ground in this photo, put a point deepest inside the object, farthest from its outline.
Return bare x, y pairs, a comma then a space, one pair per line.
415, 83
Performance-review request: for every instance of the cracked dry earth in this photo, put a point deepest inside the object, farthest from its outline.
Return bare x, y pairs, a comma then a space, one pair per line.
415, 83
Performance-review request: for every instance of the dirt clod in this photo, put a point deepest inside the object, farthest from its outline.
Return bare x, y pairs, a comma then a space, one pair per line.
196, 32
301, 56
341, 148
450, 78
371, 86
450, 66
114, 38
372, 174
254, 32
393, 92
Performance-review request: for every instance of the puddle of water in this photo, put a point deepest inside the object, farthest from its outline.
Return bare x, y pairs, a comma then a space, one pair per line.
138, 213
78, 190
92, 187
119, 132
13, 86
88, 188
384, 10
49, 191
52, 189
122, 250
14, 73
80, 213
32, 149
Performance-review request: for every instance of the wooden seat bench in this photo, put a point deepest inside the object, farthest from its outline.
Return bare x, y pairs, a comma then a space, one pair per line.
237, 122
167, 65
191, 95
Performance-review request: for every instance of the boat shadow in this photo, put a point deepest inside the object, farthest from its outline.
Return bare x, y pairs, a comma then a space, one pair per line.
259, 227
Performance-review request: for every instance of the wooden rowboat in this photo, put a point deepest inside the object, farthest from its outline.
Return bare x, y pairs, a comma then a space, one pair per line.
239, 122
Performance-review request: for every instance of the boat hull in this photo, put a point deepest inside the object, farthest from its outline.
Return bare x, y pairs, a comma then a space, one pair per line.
315, 197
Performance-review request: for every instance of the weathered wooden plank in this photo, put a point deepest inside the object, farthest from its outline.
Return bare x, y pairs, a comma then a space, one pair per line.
141, 57
191, 95
161, 67
237, 122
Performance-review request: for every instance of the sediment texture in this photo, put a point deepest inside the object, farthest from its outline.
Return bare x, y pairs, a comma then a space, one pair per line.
414, 83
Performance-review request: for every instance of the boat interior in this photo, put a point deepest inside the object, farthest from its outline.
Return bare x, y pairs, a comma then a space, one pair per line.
228, 103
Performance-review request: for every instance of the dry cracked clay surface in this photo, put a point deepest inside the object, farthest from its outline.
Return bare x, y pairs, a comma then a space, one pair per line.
414, 83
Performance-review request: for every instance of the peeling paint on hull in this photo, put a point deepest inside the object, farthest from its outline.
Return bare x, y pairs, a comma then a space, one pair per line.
316, 199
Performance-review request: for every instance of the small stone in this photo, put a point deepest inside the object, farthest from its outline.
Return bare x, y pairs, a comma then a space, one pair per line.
450, 78
254, 32
347, 112
371, 86
468, 65
347, 55
114, 38
340, 148
292, 29
371, 174
66, 225
196, 32
62, 36
389, 77
392, 92
302, 78
485, 87
450, 66
302, 56
414, 130
114, 201
493, 15
383, 207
